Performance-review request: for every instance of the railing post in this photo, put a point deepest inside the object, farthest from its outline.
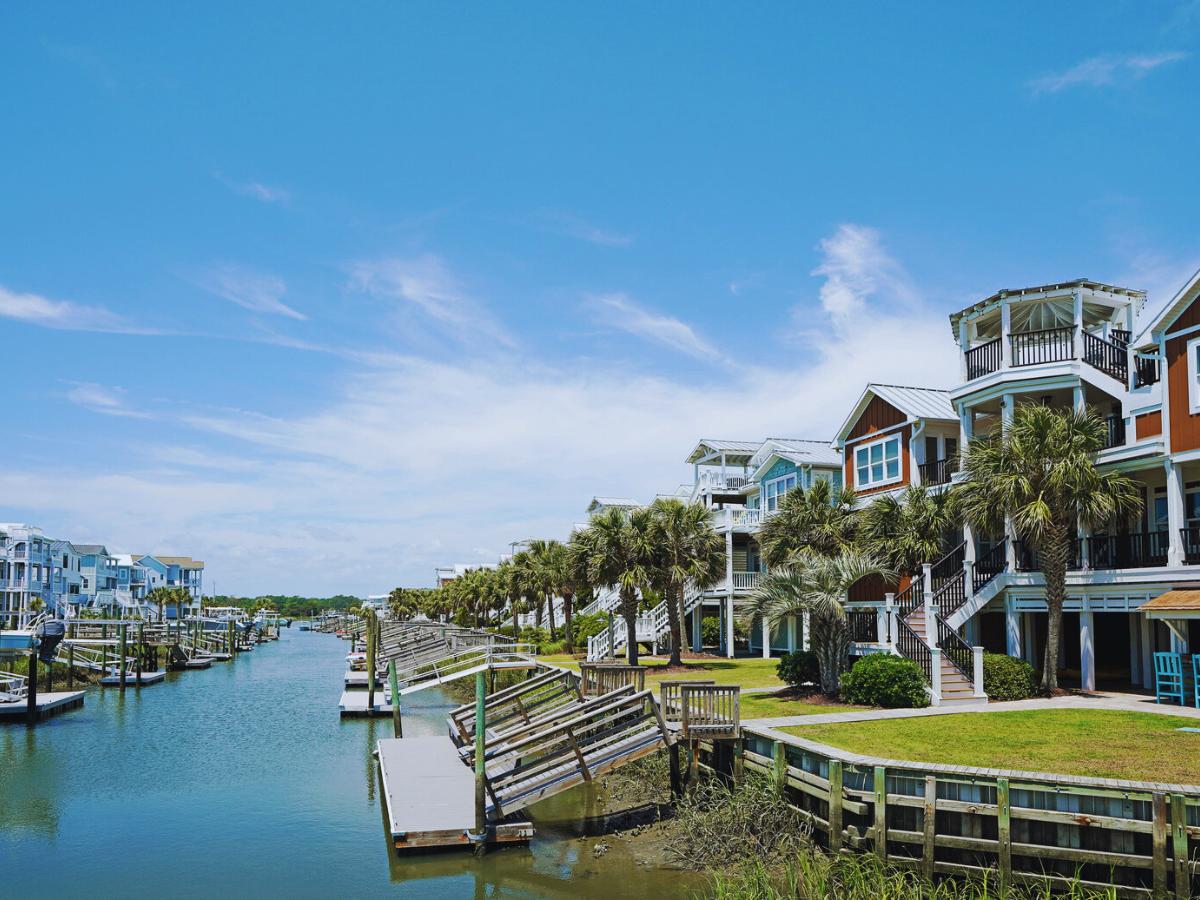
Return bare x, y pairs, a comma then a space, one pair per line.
977, 670
886, 626
935, 670
969, 575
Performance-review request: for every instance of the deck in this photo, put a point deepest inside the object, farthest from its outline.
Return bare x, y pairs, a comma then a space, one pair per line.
354, 703
132, 679
49, 704
430, 795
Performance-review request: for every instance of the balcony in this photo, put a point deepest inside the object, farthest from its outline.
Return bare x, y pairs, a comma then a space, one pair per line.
1114, 435
938, 472
1146, 371
1139, 550
709, 480
1046, 345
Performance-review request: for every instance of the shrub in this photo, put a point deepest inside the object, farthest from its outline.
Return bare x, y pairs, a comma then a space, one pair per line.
799, 667
710, 631
1008, 677
881, 679
551, 648
532, 635
588, 626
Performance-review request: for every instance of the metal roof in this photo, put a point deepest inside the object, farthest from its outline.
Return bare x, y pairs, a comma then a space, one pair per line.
89, 549
1044, 289
920, 403
711, 445
807, 452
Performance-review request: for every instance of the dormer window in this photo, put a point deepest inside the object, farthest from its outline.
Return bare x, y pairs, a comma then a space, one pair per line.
877, 463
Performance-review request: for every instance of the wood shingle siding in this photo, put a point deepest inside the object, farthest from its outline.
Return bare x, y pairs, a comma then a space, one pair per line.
878, 416
1148, 424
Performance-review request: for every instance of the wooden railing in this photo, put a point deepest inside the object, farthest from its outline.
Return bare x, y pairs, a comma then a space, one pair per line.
989, 565
1111, 359
1120, 336
1053, 832
670, 694
595, 680
984, 359
710, 711
1146, 371
1029, 348
520, 703
939, 471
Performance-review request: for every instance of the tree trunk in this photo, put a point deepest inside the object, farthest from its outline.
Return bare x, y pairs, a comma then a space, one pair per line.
674, 601
629, 611
568, 613
516, 627
537, 615
830, 641
1056, 547
550, 612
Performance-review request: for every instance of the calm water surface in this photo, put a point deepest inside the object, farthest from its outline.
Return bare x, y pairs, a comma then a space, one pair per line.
241, 780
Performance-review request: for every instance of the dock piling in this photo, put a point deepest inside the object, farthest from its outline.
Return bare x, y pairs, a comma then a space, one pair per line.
124, 649
31, 707
394, 684
480, 835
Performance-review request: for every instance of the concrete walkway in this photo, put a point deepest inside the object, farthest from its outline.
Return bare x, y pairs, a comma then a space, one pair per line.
1101, 700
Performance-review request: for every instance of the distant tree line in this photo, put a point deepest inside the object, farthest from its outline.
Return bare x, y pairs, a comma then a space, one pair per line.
290, 606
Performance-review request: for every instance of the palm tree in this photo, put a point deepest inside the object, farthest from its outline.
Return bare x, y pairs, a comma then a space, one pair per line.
565, 576
161, 596
687, 549
820, 519
616, 548
812, 583
912, 529
1040, 472
543, 554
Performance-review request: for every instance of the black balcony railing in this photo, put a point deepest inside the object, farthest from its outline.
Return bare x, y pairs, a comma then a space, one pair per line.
989, 564
957, 650
1114, 435
1191, 543
911, 597
939, 471
1111, 359
948, 567
1128, 551
984, 359
1030, 560
1145, 372
1029, 348
864, 626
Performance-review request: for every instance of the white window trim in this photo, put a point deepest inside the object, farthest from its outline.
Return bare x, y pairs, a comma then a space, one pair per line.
775, 481
899, 477
1193, 385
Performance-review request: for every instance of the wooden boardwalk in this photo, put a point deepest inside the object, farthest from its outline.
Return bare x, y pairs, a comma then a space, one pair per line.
430, 795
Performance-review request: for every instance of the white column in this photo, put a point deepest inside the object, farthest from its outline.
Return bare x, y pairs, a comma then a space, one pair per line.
964, 344
1078, 398
1012, 628
1147, 641
1175, 513
1005, 331
1078, 317
936, 667
791, 634
766, 639
966, 426
729, 626
697, 639
729, 593
1087, 648
977, 671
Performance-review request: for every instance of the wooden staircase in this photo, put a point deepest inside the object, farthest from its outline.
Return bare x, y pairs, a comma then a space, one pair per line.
956, 687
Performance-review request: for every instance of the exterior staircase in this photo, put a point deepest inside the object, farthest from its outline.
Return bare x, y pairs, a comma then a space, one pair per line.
652, 627
955, 686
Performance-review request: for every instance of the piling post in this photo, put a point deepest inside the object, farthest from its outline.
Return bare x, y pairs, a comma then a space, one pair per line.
141, 649
124, 650
370, 666
394, 684
480, 836
31, 686
676, 774
71, 666
835, 805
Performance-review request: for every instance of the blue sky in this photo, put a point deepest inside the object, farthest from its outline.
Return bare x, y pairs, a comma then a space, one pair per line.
329, 295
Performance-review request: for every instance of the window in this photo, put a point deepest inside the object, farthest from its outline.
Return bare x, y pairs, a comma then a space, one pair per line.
877, 463
776, 489
1193, 356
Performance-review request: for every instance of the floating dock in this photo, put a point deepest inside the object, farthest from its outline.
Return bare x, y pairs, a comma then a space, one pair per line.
133, 679
430, 795
49, 704
357, 678
354, 703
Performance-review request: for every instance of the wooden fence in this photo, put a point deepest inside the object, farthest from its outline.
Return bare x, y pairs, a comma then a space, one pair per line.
598, 679
1018, 827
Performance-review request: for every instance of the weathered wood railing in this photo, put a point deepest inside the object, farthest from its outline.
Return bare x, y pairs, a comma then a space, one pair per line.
597, 679
710, 710
520, 703
1138, 839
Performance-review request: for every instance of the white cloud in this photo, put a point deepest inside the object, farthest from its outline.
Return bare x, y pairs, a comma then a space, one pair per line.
63, 314
855, 267
426, 284
1104, 71
620, 312
107, 400
253, 290
576, 227
264, 193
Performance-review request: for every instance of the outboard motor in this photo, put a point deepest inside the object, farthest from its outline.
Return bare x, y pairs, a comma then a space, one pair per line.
50, 635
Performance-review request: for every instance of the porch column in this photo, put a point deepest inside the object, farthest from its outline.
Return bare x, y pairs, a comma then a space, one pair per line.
1146, 627
1087, 648
1028, 641
964, 344
1077, 296
1078, 398
729, 592
1176, 520
1012, 628
1005, 331
791, 634
697, 617
966, 425
766, 639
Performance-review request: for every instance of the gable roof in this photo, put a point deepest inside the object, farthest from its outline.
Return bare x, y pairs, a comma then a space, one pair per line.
185, 562
710, 446
914, 402
91, 549
803, 452
604, 502
1184, 298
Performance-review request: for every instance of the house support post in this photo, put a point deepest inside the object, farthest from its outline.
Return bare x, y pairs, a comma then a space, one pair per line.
1087, 648
729, 593
1176, 522
1012, 628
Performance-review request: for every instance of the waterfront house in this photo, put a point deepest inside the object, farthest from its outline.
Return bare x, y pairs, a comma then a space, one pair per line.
26, 573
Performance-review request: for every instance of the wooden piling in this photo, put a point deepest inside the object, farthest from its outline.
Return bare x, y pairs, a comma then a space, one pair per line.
929, 823
881, 813
676, 774
1004, 834
1179, 847
394, 684
124, 650
31, 686
480, 836
141, 648
371, 664
70, 666
1158, 837
835, 805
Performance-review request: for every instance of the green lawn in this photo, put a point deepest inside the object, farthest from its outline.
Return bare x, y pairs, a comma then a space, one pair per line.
761, 706
1104, 743
747, 672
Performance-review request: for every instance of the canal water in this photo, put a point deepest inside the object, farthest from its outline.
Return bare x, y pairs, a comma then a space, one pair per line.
241, 779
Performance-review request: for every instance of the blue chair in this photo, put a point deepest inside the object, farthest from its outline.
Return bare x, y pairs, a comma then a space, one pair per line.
1168, 677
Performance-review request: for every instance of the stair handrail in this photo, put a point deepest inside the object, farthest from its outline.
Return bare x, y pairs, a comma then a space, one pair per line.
991, 564
912, 646
957, 650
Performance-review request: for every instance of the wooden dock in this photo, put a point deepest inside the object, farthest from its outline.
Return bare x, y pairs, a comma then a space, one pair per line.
354, 704
49, 704
132, 679
430, 795
358, 678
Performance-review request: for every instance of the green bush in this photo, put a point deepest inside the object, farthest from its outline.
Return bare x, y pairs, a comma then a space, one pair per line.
588, 626
550, 648
882, 679
710, 631
532, 635
1008, 677
799, 667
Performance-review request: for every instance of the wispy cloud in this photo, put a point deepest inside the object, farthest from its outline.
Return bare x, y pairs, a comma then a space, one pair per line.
1104, 71
63, 314
257, 291
425, 283
107, 400
620, 312
574, 226
855, 267
264, 193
